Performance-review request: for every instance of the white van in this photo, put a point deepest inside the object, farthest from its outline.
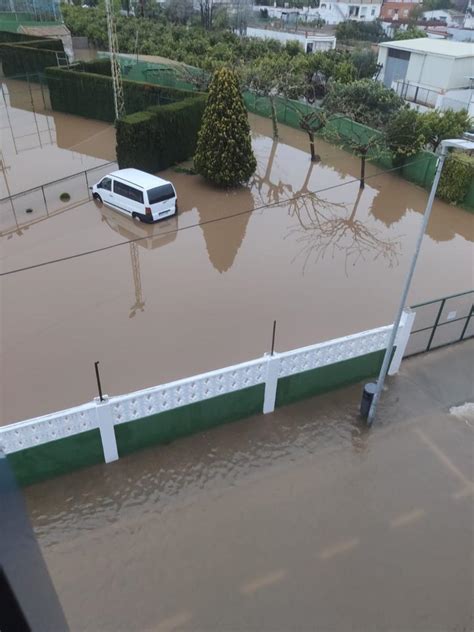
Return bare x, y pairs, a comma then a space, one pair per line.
137, 194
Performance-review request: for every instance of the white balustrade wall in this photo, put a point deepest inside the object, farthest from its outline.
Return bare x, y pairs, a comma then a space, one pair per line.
141, 404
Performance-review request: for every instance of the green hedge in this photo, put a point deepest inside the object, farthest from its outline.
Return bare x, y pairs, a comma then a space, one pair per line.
161, 136
457, 178
21, 57
11, 38
96, 67
89, 94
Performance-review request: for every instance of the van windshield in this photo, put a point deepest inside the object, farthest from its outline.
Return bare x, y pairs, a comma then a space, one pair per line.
160, 194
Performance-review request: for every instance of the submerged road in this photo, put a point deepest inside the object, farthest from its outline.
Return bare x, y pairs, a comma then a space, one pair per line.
299, 520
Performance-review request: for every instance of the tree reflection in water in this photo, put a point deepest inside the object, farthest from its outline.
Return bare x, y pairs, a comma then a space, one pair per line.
326, 227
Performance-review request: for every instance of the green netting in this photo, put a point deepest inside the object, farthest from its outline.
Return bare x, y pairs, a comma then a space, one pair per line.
420, 169
469, 200
180, 76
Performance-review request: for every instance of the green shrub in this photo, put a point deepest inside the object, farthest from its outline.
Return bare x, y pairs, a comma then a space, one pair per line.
456, 178
369, 31
366, 101
88, 94
406, 134
160, 136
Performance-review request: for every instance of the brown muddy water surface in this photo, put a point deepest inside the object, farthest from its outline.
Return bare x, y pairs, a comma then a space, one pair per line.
197, 294
299, 520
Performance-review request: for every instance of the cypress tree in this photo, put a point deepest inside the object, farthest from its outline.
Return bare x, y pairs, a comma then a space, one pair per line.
224, 153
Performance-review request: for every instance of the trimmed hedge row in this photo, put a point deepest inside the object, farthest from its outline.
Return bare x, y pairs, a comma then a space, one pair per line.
96, 67
457, 178
10, 38
84, 93
161, 136
28, 55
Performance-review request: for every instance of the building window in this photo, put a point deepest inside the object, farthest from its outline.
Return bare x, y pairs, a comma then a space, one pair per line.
372, 12
398, 54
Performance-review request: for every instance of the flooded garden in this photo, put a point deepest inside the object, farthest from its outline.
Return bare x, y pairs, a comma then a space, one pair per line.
302, 244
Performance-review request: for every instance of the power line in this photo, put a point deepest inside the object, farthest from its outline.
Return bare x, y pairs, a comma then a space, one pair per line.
206, 222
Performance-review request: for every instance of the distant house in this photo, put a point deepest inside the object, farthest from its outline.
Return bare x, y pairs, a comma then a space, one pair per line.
429, 73
447, 16
310, 43
398, 10
331, 11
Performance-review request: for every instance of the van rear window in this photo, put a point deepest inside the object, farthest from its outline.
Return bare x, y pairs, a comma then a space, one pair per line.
160, 194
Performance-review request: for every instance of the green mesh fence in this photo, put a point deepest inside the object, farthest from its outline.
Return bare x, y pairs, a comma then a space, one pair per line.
420, 169
180, 76
469, 200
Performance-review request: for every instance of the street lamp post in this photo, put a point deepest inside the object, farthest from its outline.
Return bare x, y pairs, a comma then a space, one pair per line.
465, 145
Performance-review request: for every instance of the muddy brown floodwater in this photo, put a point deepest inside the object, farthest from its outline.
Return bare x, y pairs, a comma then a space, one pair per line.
201, 291
299, 520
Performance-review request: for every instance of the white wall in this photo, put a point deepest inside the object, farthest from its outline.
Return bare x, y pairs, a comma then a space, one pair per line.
382, 60
457, 100
323, 42
331, 12
462, 68
430, 71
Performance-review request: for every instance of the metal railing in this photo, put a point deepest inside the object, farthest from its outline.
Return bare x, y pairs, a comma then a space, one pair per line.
21, 210
416, 94
442, 322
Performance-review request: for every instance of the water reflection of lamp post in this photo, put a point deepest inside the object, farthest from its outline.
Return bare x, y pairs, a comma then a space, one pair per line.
453, 143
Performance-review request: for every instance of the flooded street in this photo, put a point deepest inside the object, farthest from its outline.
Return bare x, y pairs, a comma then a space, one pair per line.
39, 145
198, 291
298, 520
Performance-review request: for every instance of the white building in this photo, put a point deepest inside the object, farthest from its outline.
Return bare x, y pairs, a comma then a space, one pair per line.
331, 11
310, 43
429, 73
469, 17
447, 16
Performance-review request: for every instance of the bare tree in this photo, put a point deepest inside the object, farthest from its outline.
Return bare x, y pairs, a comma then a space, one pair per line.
274, 77
363, 141
206, 8
313, 123
179, 11
241, 13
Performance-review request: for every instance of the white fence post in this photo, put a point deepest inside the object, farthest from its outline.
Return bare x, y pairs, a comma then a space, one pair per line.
401, 340
106, 427
271, 382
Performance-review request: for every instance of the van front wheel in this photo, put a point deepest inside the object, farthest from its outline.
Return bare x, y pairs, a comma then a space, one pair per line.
97, 197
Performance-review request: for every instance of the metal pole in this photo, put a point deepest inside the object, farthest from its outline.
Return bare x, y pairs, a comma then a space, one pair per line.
273, 337
87, 185
99, 385
44, 198
435, 326
396, 324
